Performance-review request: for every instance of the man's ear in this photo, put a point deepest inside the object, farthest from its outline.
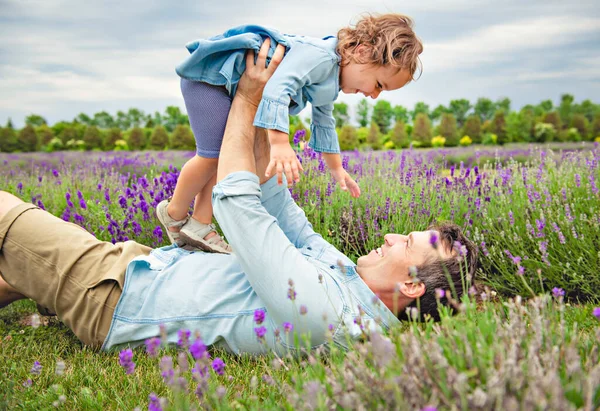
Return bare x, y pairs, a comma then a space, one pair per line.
412, 289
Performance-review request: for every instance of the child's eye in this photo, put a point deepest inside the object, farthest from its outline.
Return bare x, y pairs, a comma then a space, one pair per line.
379, 85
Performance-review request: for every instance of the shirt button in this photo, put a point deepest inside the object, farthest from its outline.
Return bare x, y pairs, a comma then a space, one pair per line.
309, 248
332, 266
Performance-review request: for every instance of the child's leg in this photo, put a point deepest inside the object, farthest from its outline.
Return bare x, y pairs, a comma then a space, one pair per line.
193, 179
203, 211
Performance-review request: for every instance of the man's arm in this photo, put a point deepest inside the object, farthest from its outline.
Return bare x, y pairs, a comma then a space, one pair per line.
265, 253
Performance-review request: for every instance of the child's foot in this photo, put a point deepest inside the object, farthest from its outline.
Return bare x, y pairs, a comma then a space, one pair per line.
203, 236
173, 226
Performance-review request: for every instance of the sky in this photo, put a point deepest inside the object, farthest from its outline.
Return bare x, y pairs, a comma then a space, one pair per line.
59, 58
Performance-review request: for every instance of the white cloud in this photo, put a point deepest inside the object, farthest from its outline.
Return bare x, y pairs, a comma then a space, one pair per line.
505, 41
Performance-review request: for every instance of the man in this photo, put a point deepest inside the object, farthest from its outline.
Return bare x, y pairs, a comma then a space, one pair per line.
114, 295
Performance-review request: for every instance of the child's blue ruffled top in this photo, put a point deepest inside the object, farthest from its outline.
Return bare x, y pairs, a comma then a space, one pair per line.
309, 72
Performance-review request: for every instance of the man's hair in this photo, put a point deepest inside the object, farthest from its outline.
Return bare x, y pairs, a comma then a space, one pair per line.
438, 273
389, 38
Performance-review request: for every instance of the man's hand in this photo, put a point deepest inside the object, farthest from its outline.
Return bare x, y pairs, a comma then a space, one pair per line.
255, 76
345, 181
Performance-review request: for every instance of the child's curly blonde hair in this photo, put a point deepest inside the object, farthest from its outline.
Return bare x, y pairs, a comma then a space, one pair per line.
389, 38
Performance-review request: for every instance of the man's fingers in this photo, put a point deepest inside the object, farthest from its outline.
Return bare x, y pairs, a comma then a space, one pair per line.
270, 168
288, 173
276, 58
263, 52
249, 58
279, 173
295, 173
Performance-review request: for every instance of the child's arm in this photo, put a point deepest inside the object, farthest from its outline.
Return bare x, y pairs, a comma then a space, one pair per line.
334, 163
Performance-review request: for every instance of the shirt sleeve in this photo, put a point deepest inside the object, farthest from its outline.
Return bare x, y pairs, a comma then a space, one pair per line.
270, 260
303, 64
323, 137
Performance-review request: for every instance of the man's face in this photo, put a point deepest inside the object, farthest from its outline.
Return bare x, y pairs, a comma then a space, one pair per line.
392, 261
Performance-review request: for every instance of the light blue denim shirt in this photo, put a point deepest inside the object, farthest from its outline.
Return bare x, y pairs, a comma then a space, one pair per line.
217, 294
309, 72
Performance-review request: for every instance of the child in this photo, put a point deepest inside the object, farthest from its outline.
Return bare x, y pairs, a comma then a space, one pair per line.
379, 53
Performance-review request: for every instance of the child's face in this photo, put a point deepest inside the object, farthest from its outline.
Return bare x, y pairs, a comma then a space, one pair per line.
370, 79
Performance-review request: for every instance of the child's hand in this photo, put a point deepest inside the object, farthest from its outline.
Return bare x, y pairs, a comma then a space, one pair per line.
284, 160
345, 181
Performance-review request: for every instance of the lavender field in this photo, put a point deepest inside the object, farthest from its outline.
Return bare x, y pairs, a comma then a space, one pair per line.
529, 334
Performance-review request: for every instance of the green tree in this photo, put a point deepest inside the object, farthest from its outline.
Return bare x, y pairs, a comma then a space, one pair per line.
595, 129
362, 110
420, 108
28, 140
362, 134
553, 118
67, 133
448, 129
103, 120
113, 135
565, 109
35, 120
460, 108
382, 115
340, 113
519, 126
581, 123
544, 107
183, 138
588, 109
503, 104
399, 136
472, 128
159, 140
122, 120
45, 134
136, 139
9, 124
136, 117
438, 111
173, 117
498, 127
8, 139
374, 136
92, 138
484, 108
348, 138
401, 114
544, 132
422, 132
84, 119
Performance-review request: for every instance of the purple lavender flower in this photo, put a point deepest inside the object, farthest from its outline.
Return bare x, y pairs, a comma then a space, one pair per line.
291, 291
157, 233
433, 239
260, 332
166, 370
27, 383
303, 310
219, 366
152, 345
299, 136
558, 292
259, 316
36, 369
55, 172
126, 361
198, 349
154, 403
439, 293
183, 339
596, 312
20, 187
287, 327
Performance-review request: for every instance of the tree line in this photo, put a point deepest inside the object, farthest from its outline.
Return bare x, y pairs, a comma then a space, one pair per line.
380, 126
